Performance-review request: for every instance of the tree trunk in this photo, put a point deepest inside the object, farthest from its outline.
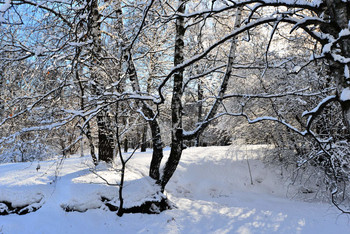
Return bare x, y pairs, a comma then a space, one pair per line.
213, 111
339, 14
200, 108
144, 139
82, 106
105, 138
157, 154
146, 109
91, 144
105, 133
157, 143
177, 135
176, 104
125, 145
2, 106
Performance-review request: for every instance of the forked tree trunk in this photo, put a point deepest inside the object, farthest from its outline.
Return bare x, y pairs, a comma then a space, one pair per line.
147, 110
177, 136
224, 84
157, 143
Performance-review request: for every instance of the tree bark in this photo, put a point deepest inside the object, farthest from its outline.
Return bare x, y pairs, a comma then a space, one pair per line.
339, 14
144, 139
176, 103
157, 155
200, 109
126, 145
105, 133
2, 106
82, 107
105, 138
211, 114
178, 136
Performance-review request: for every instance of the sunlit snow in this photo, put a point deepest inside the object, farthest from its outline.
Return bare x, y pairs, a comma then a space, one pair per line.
345, 94
212, 190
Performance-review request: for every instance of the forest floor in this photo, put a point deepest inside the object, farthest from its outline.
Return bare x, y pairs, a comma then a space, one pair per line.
213, 190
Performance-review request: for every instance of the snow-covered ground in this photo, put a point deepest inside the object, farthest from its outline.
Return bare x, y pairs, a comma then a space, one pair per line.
212, 191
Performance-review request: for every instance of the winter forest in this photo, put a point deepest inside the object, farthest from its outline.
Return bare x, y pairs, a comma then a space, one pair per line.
187, 116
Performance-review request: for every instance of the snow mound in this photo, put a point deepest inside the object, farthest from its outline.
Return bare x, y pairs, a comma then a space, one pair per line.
20, 202
137, 192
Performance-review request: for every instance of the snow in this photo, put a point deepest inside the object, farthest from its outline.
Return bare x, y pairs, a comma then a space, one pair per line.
211, 189
346, 72
344, 32
77, 44
4, 7
314, 3
327, 48
39, 50
296, 69
345, 95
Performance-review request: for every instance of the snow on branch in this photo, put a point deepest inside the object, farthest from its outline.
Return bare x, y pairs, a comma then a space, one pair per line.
345, 95
308, 21
187, 134
274, 119
259, 3
41, 98
45, 127
48, 127
299, 92
318, 109
201, 75
332, 42
321, 105
293, 3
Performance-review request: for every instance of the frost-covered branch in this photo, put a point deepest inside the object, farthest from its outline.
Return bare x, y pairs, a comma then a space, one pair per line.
318, 109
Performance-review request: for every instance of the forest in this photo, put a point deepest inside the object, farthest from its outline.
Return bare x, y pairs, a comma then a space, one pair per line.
135, 90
